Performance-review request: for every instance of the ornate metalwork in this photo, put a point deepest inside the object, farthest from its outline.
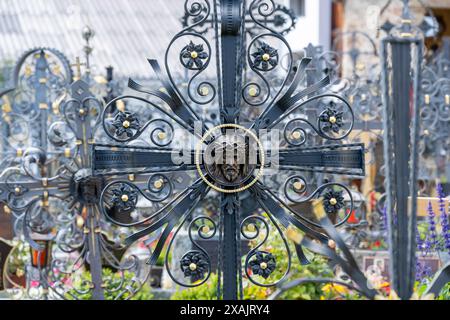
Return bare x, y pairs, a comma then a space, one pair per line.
429, 26
82, 236
401, 57
40, 79
435, 113
174, 119
282, 20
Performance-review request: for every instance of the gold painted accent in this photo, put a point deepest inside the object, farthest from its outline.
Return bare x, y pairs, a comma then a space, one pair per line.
80, 222
363, 97
296, 135
100, 80
7, 210
193, 266
332, 244
17, 190
161, 135
43, 106
426, 132
266, 57
86, 230
251, 227
28, 71
91, 141
332, 119
427, 99
293, 235
204, 91
44, 182
124, 198
131, 177
194, 54
6, 108
56, 104
351, 99
45, 199
78, 142
57, 69
98, 230
318, 209
298, 185
406, 21
67, 152
81, 111
263, 265
43, 80
120, 105
126, 124
406, 35
158, 184
206, 229
447, 99
333, 201
77, 65
198, 151
19, 152
252, 92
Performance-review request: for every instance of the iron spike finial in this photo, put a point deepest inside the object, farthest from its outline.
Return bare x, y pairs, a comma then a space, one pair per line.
87, 33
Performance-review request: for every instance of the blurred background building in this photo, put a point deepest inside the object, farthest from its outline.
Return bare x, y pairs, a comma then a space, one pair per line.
131, 30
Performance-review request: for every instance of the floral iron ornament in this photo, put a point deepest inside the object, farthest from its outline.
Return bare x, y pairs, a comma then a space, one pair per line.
435, 113
282, 20
81, 238
229, 159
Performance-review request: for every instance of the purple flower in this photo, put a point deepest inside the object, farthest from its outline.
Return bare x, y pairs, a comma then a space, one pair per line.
431, 227
419, 241
444, 218
385, 219
422, 272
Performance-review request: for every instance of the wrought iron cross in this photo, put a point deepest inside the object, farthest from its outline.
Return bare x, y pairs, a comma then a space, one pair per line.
229, 180
28, 192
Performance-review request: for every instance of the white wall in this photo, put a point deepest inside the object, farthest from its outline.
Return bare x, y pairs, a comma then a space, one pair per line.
314, 27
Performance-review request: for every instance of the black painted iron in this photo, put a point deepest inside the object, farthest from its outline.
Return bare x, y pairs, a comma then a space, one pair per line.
230, 91
401, 56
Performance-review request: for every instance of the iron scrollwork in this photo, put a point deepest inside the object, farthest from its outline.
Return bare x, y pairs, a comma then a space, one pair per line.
135, 153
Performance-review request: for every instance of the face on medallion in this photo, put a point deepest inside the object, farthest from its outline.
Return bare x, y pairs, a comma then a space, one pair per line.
229, 163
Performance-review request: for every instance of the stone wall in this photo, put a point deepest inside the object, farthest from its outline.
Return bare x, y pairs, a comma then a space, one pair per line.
364, 15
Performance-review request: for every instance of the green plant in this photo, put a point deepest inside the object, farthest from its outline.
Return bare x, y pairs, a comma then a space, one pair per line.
207, 291
19, 258
445, 293
420, 288
310, 291
112, 281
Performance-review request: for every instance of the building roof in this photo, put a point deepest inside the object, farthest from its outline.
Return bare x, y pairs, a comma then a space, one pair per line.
126, 31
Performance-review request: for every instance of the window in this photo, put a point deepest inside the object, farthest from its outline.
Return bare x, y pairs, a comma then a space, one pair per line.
298, 6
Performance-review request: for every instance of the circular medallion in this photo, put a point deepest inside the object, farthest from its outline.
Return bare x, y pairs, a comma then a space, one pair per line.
230, 160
